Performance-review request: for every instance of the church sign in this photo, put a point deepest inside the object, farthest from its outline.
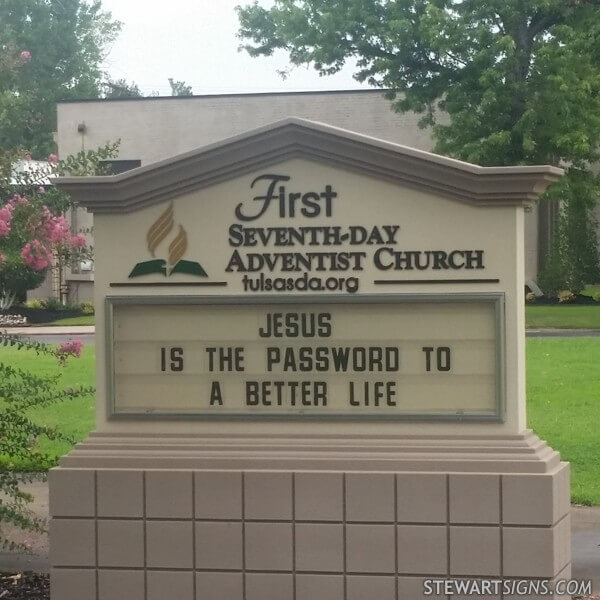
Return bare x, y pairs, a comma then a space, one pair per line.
304, 274
310, 378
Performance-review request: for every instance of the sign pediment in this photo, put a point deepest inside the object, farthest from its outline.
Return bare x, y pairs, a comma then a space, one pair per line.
300, 138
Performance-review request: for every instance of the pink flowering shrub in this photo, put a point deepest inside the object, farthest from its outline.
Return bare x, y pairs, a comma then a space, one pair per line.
34, 234
32, 239
5, 219
36, 255
70, 348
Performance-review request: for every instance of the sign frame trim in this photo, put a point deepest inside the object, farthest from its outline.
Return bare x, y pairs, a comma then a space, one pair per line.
497, 299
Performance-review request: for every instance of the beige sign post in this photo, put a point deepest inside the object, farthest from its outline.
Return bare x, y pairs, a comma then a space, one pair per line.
310, 375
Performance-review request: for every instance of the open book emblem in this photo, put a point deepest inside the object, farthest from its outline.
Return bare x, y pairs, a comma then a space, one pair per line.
174, 263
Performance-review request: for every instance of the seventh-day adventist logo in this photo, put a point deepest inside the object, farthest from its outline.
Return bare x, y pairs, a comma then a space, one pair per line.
174, 263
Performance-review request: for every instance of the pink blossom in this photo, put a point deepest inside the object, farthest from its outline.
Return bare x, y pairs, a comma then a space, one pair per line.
53, 158
41, 190
18, 199
2, 258
70, 348
5, 218
56, 229
78, 241
36, 255
25, 56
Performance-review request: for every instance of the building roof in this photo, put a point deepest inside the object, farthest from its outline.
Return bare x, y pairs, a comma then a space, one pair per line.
32, 172
379, 91
293, 138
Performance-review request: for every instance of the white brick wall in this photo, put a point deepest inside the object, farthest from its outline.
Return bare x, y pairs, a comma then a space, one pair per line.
155, 128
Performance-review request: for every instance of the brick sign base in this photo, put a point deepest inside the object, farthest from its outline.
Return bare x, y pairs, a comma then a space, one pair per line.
309, 519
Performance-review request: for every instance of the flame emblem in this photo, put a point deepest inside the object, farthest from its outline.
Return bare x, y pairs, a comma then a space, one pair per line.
160, 229
177, 247
175, 263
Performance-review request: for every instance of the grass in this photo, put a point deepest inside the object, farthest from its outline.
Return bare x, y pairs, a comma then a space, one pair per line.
563, 388
74, 417
569, 316
83, 320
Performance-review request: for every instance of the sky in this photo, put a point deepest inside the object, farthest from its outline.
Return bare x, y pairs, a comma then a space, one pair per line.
195, 41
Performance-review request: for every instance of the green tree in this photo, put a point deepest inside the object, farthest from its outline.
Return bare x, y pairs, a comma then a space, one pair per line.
51, 50
501, 82
21, 392
180, 88
121, 89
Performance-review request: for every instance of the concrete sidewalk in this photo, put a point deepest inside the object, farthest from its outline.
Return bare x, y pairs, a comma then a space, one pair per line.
562, 333
47, 330
585, 541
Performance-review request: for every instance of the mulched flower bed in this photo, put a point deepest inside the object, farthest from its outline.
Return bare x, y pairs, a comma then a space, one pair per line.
578, 299
33, 586
39, 316
24, 586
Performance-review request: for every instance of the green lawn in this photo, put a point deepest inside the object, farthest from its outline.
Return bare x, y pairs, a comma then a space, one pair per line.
563, 391
570, 316
563, 404
83, 320
75, 417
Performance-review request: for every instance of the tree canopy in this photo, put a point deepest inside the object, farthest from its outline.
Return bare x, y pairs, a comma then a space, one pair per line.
180, 88
120, 88
501, 82
51, 50
520, 79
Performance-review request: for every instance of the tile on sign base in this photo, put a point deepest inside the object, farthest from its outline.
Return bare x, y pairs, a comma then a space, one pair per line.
169, 544
319, 547
269, 546
319, 496
269, 586
422, 549
120, 543
73, 492
73, 584
474, 498
219, 586
168, 585
120, 585
268, 495
370, 497
475, 551
536, 551
63, 552
219, 545
415, 588
422, 497
323, 587
370, 588
370, 549
120, 493
218, 494
169, 495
